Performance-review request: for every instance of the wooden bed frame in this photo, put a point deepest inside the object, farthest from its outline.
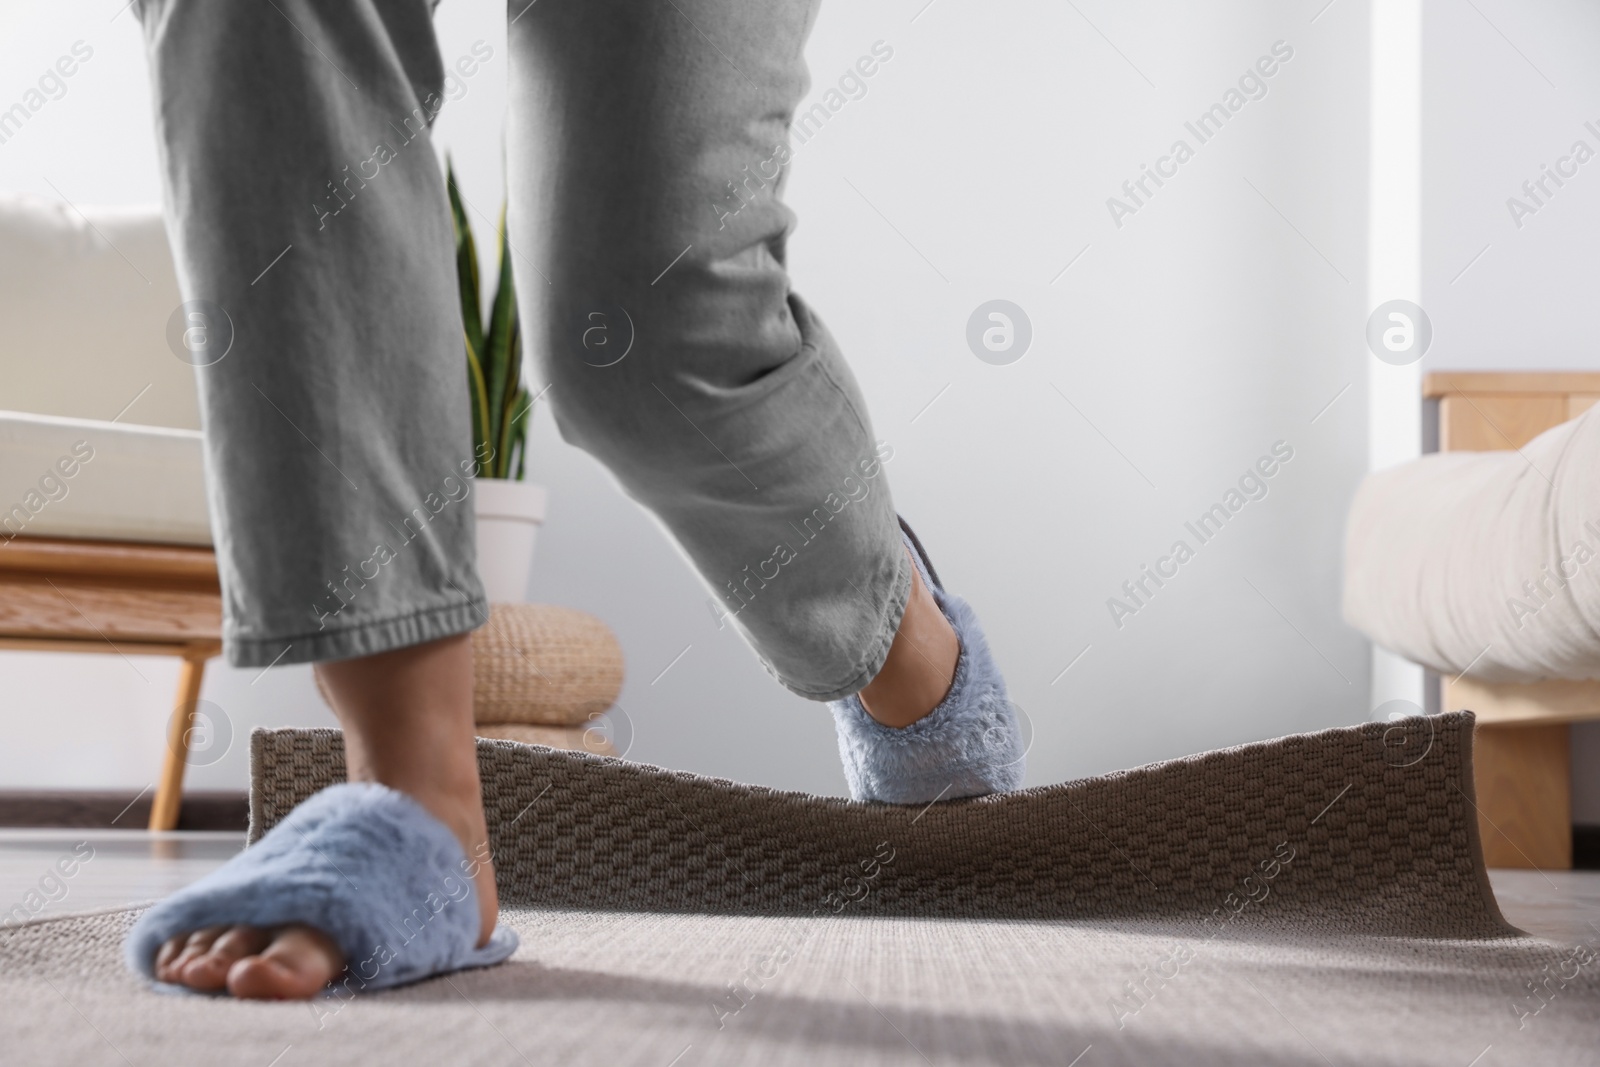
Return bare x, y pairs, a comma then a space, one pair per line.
131, 599
1522, 752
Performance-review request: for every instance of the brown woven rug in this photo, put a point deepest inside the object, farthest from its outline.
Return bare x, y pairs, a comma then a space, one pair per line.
1365, 829
1316, 899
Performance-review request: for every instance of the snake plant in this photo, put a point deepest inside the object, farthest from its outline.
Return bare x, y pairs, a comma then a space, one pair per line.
500, 402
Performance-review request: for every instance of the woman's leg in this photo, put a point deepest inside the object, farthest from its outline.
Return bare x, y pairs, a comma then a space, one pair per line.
648, 146
305, 202
308, 214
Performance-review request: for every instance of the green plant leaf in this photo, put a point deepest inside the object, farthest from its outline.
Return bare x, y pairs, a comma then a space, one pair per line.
501, 405
480, 403
517, 440
517, 404
466, 266
516, 394
502, 347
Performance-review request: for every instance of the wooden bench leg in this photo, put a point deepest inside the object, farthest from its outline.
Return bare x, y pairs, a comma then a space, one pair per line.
169, 788
1523, 777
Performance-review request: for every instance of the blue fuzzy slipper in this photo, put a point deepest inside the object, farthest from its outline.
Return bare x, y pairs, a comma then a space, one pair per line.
363, 863
968, 746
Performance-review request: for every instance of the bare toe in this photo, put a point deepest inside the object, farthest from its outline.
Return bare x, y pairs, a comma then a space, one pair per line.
297, 963
176, 953
208, 971
168, 952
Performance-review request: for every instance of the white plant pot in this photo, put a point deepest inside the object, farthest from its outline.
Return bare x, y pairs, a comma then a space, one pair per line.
509, 516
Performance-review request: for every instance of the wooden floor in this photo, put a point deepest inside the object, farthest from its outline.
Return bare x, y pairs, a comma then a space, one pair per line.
122, 867
128, 866
1563, 906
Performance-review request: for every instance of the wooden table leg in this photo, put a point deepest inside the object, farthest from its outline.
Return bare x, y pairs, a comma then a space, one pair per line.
169, 788
1523, 778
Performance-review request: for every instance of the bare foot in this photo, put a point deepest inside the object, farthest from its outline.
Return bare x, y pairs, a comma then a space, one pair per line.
289, 963
407, 718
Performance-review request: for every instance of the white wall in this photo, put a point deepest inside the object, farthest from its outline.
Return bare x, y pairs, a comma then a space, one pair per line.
1504, 92
1224, 316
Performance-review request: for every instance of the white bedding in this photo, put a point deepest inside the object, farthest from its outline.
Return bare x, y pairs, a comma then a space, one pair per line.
85, 478
1484, 560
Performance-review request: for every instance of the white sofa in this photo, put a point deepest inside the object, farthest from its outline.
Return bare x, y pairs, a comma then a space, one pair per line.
84, 303
104, 538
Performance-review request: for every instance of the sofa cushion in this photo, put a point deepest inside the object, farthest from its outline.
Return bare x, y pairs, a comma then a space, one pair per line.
87, 478
85, 295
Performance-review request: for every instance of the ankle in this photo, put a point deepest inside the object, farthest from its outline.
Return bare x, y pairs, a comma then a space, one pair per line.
921, 665
464, 816
456, 800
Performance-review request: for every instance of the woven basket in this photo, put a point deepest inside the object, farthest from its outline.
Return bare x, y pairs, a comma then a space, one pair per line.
586, 738
544, 665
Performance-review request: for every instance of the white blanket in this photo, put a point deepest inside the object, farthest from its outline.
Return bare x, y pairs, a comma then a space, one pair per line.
1487, 562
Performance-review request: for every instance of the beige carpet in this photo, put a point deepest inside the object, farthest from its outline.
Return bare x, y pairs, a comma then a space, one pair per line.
1317, 899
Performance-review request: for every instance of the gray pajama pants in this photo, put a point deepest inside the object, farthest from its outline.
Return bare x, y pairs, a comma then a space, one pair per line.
646, 149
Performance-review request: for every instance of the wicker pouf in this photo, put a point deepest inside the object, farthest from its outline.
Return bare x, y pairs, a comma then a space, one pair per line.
543, 665
587, 738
